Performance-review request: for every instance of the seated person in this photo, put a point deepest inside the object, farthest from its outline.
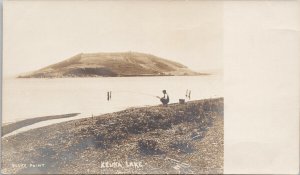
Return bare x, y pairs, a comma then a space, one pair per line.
165, 99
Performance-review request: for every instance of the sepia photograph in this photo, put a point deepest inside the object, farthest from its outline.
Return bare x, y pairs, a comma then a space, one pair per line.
112, 87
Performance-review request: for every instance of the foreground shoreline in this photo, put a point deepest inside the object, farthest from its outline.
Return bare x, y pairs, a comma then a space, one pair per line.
10, 127
180, 137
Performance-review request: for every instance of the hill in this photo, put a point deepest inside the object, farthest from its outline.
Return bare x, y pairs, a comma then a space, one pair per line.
175, 139
118, 64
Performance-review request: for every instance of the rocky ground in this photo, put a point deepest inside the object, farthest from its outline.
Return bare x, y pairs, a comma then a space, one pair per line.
179, 138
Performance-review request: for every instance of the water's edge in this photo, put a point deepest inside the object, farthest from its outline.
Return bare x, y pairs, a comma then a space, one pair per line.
6, 129
43, 97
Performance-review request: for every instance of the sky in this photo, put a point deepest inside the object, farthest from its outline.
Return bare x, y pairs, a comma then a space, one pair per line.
39, 33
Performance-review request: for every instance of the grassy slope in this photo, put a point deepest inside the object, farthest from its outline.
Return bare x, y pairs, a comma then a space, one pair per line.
179, 138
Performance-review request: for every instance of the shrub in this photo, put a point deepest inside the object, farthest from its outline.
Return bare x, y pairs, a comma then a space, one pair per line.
182, 146
149, 147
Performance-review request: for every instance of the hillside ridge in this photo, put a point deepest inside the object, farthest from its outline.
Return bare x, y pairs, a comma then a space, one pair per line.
112, 64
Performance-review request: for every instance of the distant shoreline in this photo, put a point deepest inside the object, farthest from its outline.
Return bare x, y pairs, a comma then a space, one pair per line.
142, 75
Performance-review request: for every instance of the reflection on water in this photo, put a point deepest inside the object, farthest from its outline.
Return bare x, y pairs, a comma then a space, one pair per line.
27, 98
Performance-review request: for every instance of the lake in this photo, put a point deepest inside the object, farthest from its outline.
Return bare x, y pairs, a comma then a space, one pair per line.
29, 98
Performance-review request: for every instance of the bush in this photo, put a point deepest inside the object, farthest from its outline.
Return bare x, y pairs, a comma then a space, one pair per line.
182, 146
149, 147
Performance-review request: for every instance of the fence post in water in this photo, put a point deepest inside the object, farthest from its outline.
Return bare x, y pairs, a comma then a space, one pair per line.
107, 96
110, 95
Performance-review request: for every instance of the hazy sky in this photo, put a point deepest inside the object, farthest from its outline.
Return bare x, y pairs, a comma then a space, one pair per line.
39, 33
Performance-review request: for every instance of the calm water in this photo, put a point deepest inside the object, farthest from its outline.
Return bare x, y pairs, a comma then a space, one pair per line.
28, 98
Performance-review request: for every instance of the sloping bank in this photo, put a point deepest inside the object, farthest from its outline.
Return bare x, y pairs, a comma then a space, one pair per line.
186, 138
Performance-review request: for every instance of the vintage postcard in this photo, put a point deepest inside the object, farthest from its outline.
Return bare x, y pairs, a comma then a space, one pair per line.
109, 87
138, 87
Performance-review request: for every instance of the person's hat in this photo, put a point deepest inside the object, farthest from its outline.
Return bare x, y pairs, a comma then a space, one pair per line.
164, 91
